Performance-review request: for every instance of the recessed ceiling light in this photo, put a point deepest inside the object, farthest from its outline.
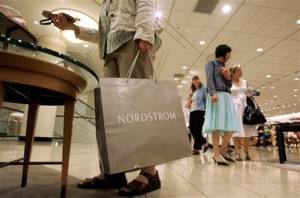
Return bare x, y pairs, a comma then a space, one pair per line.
295, 89
295, 95
275, 96
85, 45
36, 22
176, 79
260, 50
263, 87
158, 14
296, 78
184, 67
184, 82
226, 8
272, 87
268, 76
201, 42
295, 104
193, 72
298, 21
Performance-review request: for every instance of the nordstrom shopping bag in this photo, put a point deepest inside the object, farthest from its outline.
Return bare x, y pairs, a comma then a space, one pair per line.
142, 124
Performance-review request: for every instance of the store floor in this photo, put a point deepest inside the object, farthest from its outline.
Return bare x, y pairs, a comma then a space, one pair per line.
196, 176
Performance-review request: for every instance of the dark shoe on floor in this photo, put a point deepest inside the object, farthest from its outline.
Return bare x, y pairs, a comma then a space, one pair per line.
195, 152
139, 188
205, 148
228, 158
116, 181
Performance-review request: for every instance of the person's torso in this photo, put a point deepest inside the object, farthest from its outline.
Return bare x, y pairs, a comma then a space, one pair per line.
218, 78
238, 92
198, 100
117, 25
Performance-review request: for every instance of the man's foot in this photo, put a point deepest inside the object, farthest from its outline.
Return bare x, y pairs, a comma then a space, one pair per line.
143, 184
116, 181
195, 152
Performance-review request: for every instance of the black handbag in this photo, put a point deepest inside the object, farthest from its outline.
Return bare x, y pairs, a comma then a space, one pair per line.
252, 114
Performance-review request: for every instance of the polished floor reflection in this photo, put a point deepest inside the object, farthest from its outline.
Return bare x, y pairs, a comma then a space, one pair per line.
196, 176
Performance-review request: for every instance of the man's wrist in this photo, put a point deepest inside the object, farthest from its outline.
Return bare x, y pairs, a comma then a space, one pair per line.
76, 29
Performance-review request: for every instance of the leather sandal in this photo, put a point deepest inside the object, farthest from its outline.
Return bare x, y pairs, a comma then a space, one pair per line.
138, 188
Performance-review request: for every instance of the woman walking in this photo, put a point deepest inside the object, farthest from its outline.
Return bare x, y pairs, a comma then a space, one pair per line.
198, 105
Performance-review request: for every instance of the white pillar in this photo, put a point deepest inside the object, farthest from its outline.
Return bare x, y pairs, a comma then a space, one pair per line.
47, 114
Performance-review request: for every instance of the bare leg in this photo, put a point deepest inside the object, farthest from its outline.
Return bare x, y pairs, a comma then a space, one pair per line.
226, 138
237, 146
246, 142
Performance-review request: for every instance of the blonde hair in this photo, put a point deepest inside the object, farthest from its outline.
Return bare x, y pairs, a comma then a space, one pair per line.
233, 69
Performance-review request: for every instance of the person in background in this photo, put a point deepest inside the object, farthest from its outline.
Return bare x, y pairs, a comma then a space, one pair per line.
187, 112
220, 114
198, 105
125, 27
239, 93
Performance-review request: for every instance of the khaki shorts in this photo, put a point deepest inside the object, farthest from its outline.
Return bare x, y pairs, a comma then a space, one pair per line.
117, 64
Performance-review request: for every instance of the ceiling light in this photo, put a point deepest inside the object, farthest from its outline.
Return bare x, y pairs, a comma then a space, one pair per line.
272, 87
85, 45
184, 67
193, 72
260, 50
266, 103
202, 42
226, 8
298, 21
296, 78
36, 22
176, 79
295, 104
263, 87
295, 89
184, 82
268, 76
295, 95
158, 14
275, 96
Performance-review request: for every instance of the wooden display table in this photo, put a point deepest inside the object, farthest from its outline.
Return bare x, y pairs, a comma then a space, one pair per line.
27, 80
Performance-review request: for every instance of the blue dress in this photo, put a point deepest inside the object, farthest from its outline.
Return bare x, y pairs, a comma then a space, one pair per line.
219, 116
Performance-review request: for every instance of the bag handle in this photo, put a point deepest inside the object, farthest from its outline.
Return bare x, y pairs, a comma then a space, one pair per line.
132, 65
255, 103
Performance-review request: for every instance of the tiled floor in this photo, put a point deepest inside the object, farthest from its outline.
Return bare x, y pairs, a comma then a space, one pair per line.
195, 176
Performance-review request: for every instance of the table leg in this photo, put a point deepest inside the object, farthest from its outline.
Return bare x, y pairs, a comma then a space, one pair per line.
281, 145
30, 128
2, 93
67, 136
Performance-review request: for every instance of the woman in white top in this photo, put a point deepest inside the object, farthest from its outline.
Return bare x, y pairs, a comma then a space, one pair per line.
239, 92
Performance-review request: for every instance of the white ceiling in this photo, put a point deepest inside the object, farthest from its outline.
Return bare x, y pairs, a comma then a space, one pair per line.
251, 24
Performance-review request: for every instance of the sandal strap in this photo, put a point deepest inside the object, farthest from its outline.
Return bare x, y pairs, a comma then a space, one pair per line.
149, 176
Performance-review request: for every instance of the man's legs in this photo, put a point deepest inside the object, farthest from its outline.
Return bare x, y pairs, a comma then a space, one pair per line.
103, 180
143, 69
